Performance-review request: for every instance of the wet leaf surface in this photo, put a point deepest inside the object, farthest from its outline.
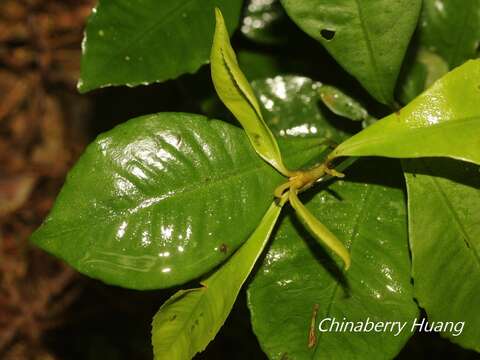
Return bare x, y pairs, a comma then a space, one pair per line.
151, 203
442, 121
350, 31
134, 42
368, 213
444, 227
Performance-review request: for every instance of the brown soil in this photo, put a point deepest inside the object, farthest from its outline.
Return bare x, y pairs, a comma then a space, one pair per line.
41, 135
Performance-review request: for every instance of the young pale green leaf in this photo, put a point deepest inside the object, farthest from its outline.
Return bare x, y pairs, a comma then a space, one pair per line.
341, 104
235, 92
444, 228
158, 201
450, 29
443, 121
135, 42
368, 38
290, 108
368, 212
319, 231
190, 319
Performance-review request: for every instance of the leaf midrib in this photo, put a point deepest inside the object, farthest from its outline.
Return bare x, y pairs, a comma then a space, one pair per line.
225, 177
451, 209
370, 51
356, 224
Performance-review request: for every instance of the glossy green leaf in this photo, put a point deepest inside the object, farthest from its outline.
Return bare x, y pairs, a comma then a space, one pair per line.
443, 121
318, 230
342, 104
303, 129
368, 38
236, 93
291, 108
158, 201
450, 29
133, 42
190, 319
297, 276
444, 227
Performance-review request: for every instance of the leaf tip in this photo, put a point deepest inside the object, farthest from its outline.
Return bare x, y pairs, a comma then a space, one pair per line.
219, 21
348, 261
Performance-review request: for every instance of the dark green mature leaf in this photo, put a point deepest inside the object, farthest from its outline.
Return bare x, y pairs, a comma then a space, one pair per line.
443, 121
368, 38
297, 276
290, 105
158, 201
190, 319
444, 227
451, 29
291, 108
133, 42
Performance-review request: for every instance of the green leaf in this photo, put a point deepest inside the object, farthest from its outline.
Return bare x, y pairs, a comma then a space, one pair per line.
426, 68
133, 42
235, 92
368, 38
291, 108
443, 121
158, 201
318, 230
450, 29
368, 213
190, 319
303, 129
341, 104
444, 227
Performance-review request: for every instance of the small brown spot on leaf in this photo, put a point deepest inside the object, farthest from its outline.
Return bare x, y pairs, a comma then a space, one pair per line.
312, 334
223, 248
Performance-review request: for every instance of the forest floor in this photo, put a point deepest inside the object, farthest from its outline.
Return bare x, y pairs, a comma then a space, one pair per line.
42, 132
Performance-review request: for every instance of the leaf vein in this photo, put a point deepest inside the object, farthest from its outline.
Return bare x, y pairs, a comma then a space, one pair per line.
453, 212
356, 225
